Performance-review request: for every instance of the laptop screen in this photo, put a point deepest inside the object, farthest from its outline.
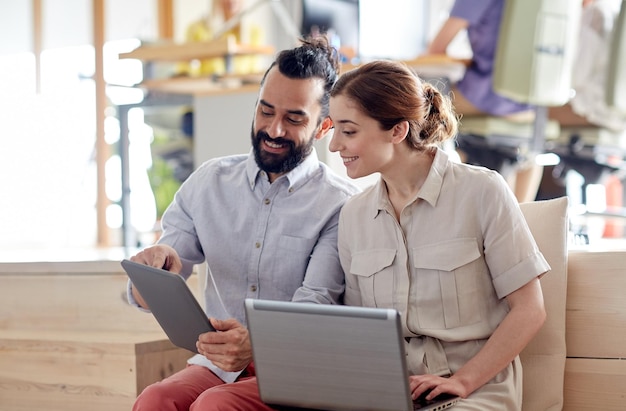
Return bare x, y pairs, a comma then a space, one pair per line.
328, 357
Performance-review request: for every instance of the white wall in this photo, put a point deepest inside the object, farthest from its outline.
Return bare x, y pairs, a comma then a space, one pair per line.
15, 30
49, 193
387, 33
68, 23
129, 19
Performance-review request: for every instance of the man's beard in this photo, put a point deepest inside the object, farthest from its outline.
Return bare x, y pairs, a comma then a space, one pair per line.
279, 163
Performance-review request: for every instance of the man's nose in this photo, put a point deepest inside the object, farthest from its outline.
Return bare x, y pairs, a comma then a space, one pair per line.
276, 128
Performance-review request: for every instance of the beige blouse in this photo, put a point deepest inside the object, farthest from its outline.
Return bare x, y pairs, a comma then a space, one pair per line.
459, 248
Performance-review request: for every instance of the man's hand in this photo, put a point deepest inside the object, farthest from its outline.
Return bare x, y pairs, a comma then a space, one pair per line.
229, 348
160, 256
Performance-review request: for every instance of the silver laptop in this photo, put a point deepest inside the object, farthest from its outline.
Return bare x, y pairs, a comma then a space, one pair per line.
328, 357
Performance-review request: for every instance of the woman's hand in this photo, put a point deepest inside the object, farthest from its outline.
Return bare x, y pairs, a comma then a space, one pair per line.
433, 385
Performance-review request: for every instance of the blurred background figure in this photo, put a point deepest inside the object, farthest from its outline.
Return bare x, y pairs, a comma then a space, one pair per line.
473, 94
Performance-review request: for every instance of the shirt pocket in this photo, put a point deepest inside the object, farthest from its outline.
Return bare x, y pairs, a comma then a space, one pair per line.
289, 262
374, 274
447, 290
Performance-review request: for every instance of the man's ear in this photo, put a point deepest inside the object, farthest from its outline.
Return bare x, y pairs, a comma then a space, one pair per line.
324, 128
399, 132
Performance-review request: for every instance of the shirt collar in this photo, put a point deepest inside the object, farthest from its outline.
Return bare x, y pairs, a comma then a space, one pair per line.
434, 181
382, 199
430, 189
296, 177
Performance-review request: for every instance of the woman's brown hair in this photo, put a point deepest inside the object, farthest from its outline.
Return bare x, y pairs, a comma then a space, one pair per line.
390, 92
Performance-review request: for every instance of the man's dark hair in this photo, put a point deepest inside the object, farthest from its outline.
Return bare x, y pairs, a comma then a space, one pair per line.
314, 58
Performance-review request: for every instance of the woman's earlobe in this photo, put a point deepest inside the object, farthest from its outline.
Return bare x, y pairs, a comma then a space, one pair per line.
400, 131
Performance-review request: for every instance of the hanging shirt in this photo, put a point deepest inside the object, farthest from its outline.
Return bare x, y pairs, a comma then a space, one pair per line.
592, 60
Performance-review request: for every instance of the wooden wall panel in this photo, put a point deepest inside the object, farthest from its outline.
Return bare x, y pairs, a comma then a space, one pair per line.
596, 306
595, 384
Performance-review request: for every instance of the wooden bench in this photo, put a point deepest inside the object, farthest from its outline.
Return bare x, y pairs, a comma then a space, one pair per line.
69, 340
595, 369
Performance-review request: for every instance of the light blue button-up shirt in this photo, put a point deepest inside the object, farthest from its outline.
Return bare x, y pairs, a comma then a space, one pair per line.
270, 241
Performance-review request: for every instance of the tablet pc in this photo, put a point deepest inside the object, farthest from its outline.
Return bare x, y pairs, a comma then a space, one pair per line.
172, 303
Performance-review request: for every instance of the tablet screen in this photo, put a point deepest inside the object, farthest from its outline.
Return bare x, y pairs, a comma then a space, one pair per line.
171, 302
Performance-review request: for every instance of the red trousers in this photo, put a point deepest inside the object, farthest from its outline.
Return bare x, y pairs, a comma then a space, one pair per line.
196, 388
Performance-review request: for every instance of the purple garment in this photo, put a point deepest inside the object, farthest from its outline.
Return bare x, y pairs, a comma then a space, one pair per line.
476, 85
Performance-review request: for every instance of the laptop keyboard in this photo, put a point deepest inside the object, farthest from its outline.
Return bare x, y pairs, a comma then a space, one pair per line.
421, 402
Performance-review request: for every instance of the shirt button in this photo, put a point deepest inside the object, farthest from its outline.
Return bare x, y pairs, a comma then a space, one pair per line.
291, 189
257, 244
253, 288
267, 201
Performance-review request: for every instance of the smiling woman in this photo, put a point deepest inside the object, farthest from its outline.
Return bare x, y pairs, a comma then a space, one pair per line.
452, 281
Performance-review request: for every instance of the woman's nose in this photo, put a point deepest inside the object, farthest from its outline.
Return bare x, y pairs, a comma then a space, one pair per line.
333, 145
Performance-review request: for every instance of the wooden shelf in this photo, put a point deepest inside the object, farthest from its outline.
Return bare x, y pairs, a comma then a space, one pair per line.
431, 60
223, 47
195, 86
232, 83
437, 59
